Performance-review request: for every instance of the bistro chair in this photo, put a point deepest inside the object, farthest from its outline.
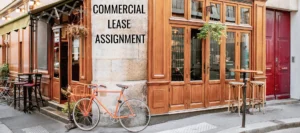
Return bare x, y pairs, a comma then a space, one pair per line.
259, 98
35, 87
235, 87
18, 89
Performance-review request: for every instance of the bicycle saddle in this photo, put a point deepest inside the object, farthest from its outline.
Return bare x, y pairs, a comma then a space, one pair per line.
122, 86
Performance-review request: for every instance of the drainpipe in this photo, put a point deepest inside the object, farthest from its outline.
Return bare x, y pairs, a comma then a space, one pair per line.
30, 43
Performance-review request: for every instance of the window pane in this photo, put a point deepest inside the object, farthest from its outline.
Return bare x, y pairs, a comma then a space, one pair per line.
177, 54
197, 8
196, 56
214, 60
244, 49
42, 45
178, 8
75, 60
215, 12
230, 14
245, 16
230, 55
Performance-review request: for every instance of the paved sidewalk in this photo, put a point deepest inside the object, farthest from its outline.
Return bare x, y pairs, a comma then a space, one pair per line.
214, 122
18, 122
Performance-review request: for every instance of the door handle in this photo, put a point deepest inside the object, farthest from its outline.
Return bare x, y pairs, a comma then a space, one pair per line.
284, 68
268, 68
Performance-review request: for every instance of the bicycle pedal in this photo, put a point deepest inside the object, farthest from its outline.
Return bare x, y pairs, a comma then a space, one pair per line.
120, 101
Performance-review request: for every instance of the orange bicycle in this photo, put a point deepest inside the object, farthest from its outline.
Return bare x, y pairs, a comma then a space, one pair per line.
133, 115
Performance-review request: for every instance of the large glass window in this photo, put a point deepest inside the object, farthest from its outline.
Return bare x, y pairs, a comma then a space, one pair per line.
196, 56
178, 8
75, 60
42, 46
214, 60
197, 9
230, 14
177, 54
215, 14
230, 55
245, 16
244, 50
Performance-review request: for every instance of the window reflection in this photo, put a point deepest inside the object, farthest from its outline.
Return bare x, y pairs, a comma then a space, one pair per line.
215, 12
245, 16
178, 8
244, 50
197, 9
230, 14
230, 55
214, 60
196, 56
177, 54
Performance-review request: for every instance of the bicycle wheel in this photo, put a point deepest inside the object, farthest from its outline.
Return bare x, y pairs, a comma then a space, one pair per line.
134, 115
86, 114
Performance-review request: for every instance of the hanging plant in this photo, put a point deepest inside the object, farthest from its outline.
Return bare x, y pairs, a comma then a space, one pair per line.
216, 31
77, 31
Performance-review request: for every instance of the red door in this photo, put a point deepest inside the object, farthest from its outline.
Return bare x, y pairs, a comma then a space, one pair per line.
278, 54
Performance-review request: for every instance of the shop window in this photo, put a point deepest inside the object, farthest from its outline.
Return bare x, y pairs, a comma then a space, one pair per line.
245, 16
42, 45
178, 8
214, 60
197, 9
230, 55
196, 56
75, 60
244, 51
177, 54
215, 14
230, 14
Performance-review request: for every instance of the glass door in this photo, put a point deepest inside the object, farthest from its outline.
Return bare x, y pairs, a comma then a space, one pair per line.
214, 57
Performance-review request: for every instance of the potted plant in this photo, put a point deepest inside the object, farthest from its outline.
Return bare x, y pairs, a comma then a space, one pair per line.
215, 30
4, 71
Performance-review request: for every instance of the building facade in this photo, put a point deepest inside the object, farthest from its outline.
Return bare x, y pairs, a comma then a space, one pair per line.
150, 45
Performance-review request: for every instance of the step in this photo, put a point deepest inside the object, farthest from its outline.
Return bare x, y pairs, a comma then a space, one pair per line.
55, 114
56, 105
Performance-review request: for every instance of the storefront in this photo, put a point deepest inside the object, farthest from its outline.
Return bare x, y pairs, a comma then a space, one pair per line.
38, 41
165, 64
187, 73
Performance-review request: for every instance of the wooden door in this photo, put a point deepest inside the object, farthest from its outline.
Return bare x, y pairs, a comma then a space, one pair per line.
187, 60
278, 54
213, 60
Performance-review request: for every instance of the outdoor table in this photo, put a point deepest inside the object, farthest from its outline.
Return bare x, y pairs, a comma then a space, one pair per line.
244, 90
26, 90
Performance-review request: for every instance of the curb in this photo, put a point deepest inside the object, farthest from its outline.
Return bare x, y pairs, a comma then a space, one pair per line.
264, 127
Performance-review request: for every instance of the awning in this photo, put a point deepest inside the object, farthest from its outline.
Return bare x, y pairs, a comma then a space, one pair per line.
15, 24
49, 6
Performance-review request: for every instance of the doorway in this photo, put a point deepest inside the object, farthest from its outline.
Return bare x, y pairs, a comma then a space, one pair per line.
278, 54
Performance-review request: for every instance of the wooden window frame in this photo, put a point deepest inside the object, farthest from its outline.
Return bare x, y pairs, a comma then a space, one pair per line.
250, 15
185, 29
190, 11
221, 11
236, 13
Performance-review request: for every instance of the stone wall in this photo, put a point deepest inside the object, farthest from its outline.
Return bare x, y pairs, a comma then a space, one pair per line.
120, 63
287, 5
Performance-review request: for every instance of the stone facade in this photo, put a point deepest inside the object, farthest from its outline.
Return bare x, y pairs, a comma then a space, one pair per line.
120, 63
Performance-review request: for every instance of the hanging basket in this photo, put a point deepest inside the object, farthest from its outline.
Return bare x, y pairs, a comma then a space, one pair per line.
215, 30
77, 31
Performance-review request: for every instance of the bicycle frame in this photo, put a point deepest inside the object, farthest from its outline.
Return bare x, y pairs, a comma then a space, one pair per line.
114, 114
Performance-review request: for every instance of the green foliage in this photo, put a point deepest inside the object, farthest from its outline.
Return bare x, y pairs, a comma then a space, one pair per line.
66, 109
215, 30
4, 71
